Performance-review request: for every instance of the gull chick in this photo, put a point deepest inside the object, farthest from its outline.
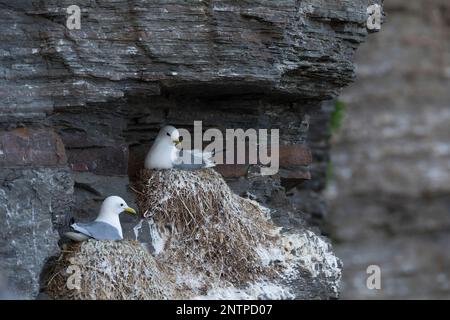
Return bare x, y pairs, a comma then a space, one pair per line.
107, 225
164, 153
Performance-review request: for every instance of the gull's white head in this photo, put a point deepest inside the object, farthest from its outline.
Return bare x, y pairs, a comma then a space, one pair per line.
115, 205
170, 135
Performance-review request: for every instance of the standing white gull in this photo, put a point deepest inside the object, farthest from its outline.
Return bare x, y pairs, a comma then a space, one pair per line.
107, 225
165, 155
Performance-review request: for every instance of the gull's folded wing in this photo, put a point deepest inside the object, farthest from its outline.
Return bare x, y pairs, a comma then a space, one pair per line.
98, 230
193, 159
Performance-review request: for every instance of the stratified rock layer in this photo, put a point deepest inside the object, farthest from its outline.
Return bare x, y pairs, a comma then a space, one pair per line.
31, 202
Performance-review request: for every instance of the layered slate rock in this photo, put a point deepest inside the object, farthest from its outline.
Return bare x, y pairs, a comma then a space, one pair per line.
35, 195
298, 48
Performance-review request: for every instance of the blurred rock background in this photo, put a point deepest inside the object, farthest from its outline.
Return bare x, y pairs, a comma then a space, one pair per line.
390, 191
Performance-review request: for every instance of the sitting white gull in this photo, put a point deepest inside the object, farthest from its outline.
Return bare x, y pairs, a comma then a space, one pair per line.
164, 153
107, 225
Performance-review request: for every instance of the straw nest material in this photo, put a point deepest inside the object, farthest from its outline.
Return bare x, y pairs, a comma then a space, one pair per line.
209, 243
108, 270
204, 225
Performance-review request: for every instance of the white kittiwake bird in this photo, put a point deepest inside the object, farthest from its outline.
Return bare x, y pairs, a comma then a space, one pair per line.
165, 155
106, 226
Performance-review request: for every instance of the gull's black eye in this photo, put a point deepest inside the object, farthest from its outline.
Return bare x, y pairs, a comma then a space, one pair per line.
121, 204
168, 134
180, 138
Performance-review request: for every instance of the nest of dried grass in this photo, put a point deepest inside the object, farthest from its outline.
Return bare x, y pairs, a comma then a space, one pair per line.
108, 270
210, 243
206, 227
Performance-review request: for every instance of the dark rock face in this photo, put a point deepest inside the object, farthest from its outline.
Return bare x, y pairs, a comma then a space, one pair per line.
23, 147
34, 202
107, 88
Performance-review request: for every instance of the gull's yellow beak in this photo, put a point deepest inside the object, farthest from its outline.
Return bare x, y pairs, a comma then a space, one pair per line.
176, 142
130, 210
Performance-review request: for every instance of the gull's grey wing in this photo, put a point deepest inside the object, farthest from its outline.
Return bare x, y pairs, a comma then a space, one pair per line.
98, 230
193, 159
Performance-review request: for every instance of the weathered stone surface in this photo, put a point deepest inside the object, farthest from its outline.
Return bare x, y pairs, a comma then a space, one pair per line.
33, 202
296, 173
31, 147
303, 49
35, 196
391, 158
293, 155
104, 161
232, 170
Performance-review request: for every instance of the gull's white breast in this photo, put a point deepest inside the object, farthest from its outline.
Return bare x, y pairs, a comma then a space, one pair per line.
161, 156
